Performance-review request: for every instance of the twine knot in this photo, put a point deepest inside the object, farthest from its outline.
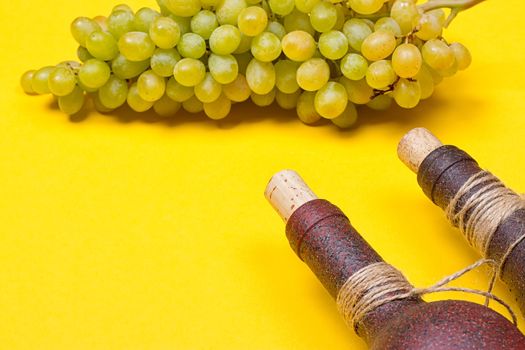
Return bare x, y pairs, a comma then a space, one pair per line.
380, 283
488, 203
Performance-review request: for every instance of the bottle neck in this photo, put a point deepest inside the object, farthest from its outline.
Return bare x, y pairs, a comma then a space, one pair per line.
322, 236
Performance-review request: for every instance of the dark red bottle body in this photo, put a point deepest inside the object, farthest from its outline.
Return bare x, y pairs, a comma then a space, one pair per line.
323, 238
441, 175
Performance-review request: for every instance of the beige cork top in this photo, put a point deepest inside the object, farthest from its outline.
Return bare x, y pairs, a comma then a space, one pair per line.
287, 192
415, 146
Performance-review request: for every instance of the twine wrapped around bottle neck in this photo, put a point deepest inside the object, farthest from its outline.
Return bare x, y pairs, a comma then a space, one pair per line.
488, 204
380, 283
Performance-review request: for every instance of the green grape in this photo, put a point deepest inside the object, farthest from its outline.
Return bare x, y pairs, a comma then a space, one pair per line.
208, 90
276, 28
136, 46
189, 71
85, 88
356, 31
260, 76
452, 70
245, 44
348, 118
242, 61
193, 105
380, 103
223, 68
135, 102
178, 92
436, 77
406, 14
282, 7
99, 107
358, 91
166, 107
369, 23
263, 100
210, 3
286, 76
228, 11
204, 23
40, 80
218, 109
163, 8
462, 55
388, 23
82, 27
306, 108
151, 86
62, 81
102, 45
323, 16
26, 82
426, 82
94, 73
429, 27
72, 65
333, 44
298, 21
83, 54
407, 60
120, 23
191, 46
380, 74
165, 32
238, 90
184, 23
266, 47
126, 69
114, 93
225, 39
102, 21
252, 21
366, 7
437, 54
122, 7
354, 66
298, 46
183, 8
439, 14
73, 102
407, 94
341, 17
313, 74
379, 45
306, 6
143, 19
331, 100
287, 101
163, 61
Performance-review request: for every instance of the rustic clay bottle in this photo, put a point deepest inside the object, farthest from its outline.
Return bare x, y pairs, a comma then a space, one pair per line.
441, 172
321, 235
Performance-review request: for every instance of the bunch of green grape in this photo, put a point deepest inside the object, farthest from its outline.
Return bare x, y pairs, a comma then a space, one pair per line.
319, 57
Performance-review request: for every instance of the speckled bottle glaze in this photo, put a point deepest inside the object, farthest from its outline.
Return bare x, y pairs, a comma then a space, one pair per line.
323, 238
443, 172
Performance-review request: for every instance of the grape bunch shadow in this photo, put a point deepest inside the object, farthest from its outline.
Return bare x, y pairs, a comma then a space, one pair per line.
249, 113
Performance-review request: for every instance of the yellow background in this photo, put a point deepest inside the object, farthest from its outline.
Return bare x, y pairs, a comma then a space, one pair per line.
118, 233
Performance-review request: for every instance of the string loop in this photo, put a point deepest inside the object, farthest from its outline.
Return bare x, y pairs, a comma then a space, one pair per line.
381, 283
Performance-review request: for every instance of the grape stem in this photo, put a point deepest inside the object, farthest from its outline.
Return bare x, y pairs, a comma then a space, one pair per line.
455, 6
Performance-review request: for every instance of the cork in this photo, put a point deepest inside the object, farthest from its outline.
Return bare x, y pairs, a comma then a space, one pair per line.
287, 192
415, 146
